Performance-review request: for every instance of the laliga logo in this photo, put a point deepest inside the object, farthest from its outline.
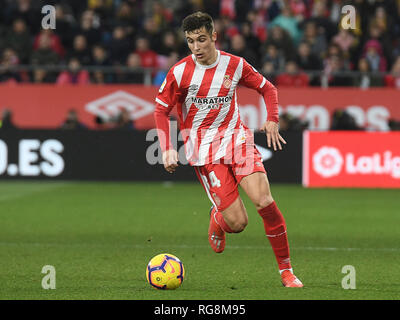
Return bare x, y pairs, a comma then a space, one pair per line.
328, 162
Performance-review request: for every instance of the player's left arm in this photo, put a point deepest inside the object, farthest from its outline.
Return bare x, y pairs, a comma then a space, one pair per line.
165, 102
253, 79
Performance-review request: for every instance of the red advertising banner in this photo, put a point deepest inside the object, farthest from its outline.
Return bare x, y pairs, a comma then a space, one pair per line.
351, 159
45, 106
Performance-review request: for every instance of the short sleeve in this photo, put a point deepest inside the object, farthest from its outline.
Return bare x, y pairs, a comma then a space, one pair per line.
167, 93
251, 78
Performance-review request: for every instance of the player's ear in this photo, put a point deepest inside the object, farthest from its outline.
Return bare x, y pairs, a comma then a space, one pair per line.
214, 36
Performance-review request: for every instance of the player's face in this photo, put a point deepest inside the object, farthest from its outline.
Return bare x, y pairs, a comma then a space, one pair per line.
202, 45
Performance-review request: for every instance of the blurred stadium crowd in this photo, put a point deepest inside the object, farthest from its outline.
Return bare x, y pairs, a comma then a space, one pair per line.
292, 42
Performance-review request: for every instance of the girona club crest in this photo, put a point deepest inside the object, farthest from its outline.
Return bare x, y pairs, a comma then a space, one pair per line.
227, 82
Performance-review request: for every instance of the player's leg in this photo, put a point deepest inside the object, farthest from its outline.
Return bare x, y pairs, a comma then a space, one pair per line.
234, 219
256, 186
228, 213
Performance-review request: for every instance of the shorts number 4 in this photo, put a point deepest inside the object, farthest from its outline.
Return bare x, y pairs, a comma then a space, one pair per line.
214, 180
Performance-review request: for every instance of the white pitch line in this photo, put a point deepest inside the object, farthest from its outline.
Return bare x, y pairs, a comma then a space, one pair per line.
28, 192
183, 246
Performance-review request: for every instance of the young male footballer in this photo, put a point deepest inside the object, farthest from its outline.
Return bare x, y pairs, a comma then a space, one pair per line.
218, 145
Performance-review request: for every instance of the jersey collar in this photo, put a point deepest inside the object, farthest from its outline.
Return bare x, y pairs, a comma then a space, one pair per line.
205, 66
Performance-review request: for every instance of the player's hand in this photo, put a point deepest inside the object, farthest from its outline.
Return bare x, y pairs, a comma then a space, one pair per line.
271, 130
170, 160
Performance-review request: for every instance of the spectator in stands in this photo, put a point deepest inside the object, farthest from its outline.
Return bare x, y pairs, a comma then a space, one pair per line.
19, 39
65, 22
169, 44
332, 74
381, 19
343, 120
287, 22
161, 13
72, 122
148, 57
44, 56
136, 74
346, 41
238, 47
366, 78
374, 54
6, 122
335, 50
151, 32
281, 39
252, 42
159, 20
320, 17
334, 66
90, 27
27, 10
100, 59
55, 42
74, 75
381, 41
269, 72
103, 9
229, 26
316, 41
172, 5
119, 47
299, 9
272, 55
128, 17
80, 50
392, 79
306, 60
258, 21
124, 121
100, 56
292, 77
8, 60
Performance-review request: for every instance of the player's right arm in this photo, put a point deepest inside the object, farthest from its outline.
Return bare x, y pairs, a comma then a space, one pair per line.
165, 102
251, 78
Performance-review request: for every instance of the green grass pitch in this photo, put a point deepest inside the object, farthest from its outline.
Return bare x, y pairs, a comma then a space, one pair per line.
100, 237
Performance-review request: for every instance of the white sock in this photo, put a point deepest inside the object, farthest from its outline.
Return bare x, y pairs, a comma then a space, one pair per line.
291, 270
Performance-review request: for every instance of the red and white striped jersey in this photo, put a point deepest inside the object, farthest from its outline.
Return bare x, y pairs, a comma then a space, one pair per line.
206, 102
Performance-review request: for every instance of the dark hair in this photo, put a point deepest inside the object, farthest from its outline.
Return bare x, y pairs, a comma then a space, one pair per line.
198, 20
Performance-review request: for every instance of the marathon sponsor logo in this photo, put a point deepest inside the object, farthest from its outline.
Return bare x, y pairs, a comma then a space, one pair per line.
211, 103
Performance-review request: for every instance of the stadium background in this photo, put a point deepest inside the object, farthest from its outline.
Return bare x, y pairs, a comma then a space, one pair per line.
76, 106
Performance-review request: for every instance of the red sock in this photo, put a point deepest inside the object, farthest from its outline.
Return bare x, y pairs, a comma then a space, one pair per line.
275, 229
221, 221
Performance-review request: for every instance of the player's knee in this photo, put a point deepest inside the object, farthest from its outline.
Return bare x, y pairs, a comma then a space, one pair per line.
263, 201
239, 225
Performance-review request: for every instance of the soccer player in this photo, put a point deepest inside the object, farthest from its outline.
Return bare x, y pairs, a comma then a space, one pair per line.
218, 145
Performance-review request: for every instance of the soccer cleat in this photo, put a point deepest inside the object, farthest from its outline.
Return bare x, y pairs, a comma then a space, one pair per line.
216, 236
289, 280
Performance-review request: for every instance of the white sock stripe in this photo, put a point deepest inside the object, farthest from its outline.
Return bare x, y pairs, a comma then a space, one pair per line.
275, 235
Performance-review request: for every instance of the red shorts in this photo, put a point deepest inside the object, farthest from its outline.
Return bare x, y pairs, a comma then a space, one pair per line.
221, 180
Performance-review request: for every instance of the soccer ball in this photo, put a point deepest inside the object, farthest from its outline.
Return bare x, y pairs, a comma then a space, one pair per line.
165, 271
